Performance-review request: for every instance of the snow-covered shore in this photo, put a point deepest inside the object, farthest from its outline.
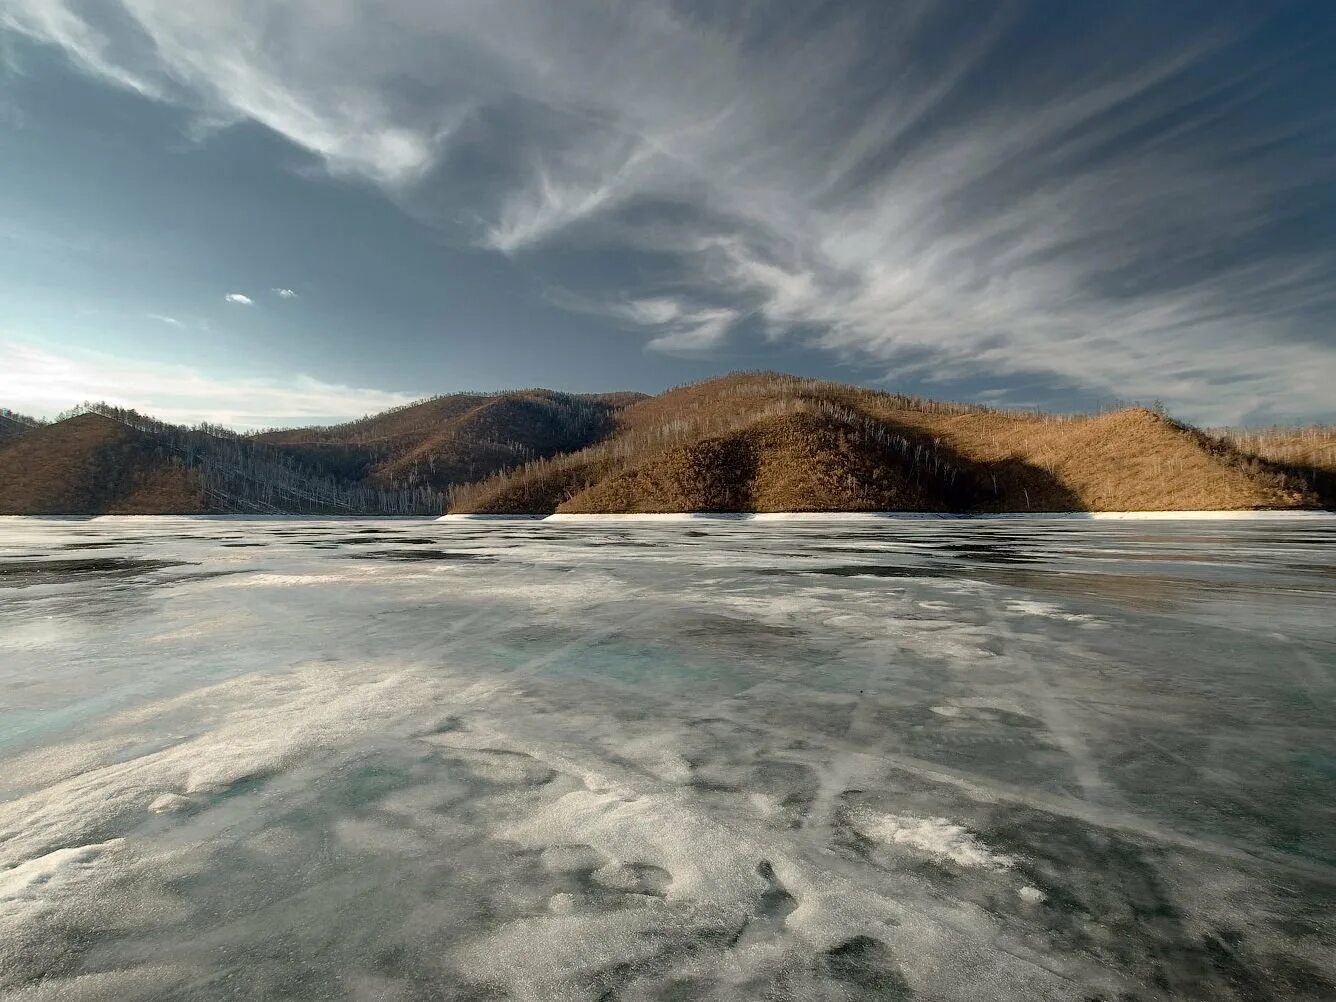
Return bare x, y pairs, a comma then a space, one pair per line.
876, 516
723, 516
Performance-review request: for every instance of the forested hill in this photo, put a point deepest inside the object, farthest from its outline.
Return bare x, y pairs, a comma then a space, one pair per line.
768, 442
110, 460
456, 439
747, 442
12, 423
103, 459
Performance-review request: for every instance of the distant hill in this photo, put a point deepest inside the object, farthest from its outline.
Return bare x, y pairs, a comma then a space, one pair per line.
91, 464
12, 423
455, 439
746, 442
107, 460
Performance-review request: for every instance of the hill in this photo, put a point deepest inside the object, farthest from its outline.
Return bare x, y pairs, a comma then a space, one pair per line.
746, 442
1309, 453
12, 423
766, 442
92, 464
454, 439
108, 460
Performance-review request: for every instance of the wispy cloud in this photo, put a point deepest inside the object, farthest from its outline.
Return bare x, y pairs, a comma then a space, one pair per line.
239, 298
162, 318
284, 293
39, 380
1115, 205
677, 325
165, 51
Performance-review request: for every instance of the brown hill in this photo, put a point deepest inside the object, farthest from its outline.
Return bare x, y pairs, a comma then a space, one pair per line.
764, 442
802, 461
1126, 460
91, 465
455, 439
108, 459
12, 423
747, 442
1307, 452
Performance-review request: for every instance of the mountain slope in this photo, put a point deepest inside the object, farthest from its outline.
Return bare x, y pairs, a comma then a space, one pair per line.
457, 438
112, 460
759, 441
499, 433
12, 423
791, 462
91, 464
746, 442
1127, 460
1309, 453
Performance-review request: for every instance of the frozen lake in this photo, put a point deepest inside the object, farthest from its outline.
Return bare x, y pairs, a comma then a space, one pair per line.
701, 760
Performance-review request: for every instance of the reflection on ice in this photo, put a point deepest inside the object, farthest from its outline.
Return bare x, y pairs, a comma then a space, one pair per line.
701, 760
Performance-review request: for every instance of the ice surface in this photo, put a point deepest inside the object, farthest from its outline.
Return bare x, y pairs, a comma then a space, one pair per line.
695, 758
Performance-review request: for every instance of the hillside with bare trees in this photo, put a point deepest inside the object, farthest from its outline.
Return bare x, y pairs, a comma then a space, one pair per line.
745, 442
765, 442
1309, 452
100, 459
91, 464
455, 439
13, 423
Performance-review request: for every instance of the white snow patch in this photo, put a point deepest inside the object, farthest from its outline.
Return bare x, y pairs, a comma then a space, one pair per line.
1029, 607
485, 517
937, 837
170, 803
30, 886
881, 516
936, 605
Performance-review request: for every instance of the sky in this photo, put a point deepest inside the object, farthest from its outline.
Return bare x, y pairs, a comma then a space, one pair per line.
259, 214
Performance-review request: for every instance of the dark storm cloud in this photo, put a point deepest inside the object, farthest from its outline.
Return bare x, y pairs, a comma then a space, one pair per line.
1131, 198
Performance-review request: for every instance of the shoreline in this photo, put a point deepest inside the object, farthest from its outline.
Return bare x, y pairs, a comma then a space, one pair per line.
1260, 515
884, 516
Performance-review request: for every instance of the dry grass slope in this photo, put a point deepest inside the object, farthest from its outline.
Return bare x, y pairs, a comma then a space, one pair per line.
766, 442
12, 423
1309, 453
746, 442
790, 462
1127, 460
91, 465
459, 438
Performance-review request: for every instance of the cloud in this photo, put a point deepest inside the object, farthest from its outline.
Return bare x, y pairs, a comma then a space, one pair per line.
38, 380
164, 51
284, 293
239, 299
164, 319
677, 325
1116, 201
